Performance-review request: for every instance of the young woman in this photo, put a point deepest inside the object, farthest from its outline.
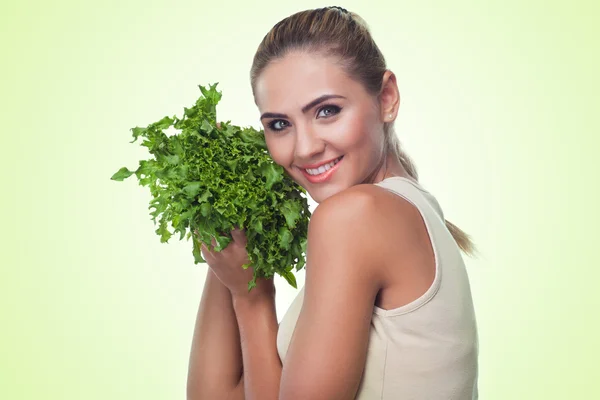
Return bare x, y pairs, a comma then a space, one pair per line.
386, 310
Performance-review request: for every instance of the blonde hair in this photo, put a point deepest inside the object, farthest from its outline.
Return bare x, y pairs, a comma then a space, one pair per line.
336, 32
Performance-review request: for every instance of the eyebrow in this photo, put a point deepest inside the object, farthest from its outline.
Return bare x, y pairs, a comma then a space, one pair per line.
305, 108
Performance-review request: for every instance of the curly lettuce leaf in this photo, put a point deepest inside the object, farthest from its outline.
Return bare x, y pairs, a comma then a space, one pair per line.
208, 179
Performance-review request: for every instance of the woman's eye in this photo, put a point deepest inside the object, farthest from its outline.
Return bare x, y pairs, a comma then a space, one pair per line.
273, 125
331, 108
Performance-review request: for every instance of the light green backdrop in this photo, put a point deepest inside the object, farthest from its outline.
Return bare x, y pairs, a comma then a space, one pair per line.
499, 110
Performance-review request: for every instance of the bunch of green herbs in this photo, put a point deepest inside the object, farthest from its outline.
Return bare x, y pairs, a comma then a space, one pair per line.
209, 179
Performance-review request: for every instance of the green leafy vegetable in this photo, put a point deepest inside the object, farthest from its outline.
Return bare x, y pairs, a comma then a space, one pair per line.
209, 179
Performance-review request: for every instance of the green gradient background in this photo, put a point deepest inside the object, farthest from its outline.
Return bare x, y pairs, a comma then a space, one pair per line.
499, 110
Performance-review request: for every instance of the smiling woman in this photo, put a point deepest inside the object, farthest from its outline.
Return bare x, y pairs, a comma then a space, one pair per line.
386, 311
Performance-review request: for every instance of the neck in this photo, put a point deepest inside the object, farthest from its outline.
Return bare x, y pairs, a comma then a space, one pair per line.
389, 166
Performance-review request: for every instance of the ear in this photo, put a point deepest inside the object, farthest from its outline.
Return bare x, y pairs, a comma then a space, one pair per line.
389, 97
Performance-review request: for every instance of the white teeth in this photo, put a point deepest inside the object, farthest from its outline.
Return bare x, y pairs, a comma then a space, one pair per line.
322, 168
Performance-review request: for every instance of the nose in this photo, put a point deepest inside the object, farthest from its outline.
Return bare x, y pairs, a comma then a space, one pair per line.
308, 144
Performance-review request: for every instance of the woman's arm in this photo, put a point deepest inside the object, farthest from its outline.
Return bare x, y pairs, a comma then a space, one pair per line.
215, 366
257, 320
347, 239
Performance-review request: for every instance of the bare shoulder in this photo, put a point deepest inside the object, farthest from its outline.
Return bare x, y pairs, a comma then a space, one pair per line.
372, 212
348, 223
388, 230
355, 202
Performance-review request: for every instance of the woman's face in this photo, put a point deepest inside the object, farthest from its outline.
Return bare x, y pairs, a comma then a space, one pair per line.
313, 114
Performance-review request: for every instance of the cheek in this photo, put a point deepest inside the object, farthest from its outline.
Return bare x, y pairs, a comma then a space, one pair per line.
371, 130
354, 132
278, 151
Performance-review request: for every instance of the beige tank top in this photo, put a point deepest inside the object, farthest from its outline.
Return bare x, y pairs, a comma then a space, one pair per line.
427, 349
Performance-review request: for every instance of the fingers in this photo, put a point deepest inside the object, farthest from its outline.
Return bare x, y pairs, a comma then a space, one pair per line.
206, 253
239, 236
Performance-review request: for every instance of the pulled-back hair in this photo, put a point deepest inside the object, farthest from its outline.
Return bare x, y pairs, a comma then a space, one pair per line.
345, 36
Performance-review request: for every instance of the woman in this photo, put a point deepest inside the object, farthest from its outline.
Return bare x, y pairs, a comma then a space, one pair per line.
386, 310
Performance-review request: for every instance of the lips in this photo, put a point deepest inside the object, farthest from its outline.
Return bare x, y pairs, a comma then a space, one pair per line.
325, 176
323, 168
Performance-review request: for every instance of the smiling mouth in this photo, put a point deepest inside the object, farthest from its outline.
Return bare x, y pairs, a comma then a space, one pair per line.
323, 168
323, 173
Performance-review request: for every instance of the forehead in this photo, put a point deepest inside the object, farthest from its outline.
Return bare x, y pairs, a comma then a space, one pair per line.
291, 82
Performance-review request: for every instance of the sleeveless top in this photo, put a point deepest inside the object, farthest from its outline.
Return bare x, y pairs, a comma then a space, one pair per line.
427, 349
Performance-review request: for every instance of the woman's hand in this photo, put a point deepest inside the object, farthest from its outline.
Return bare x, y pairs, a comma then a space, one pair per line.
227, 266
